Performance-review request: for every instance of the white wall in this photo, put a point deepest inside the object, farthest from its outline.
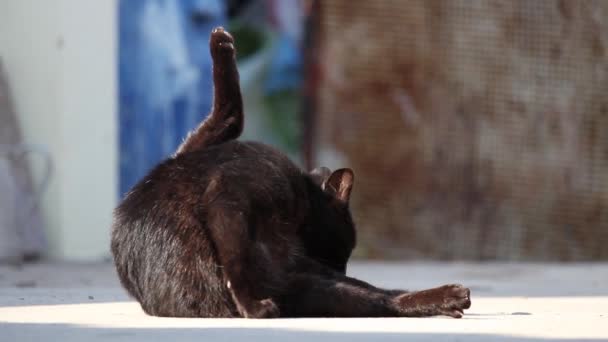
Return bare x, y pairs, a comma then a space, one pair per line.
60, 57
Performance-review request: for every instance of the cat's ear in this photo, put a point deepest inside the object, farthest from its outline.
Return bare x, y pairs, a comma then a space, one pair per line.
320, 175
339, 184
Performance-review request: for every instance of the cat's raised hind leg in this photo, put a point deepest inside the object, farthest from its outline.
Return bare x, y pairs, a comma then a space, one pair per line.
225, 122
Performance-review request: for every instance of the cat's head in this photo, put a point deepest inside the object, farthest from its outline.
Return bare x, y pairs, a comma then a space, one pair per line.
333, 231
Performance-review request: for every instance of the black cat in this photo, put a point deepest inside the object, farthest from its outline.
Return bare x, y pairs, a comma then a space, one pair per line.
235, 229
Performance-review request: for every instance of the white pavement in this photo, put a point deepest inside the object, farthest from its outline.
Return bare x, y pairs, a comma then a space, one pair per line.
511, 302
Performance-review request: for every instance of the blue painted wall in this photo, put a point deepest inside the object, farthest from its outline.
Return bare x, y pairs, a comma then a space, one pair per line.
165, 85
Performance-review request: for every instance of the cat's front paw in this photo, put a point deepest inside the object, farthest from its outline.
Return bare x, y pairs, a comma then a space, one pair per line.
221, 43
448, 300
265, 308
456, 298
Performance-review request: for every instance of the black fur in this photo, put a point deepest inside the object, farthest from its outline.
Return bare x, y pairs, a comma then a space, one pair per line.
235, 229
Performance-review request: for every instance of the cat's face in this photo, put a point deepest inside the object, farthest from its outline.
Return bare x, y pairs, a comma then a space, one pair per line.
335, 235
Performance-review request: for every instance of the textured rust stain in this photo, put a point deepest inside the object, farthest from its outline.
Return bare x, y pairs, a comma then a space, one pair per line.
477, 129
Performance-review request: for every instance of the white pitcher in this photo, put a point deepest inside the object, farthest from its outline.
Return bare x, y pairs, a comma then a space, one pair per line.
20, 234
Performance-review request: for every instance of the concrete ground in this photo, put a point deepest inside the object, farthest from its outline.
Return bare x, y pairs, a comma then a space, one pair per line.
511, 302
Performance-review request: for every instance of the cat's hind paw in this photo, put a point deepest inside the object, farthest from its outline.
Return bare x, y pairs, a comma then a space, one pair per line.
265, 308
221, 42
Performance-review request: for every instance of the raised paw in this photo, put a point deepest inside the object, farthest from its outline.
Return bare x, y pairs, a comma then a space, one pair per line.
265, 308
221, 42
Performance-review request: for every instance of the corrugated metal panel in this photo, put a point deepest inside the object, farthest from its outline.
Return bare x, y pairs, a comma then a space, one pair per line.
164, 77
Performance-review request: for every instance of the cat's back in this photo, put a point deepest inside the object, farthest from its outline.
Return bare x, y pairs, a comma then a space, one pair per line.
255, 173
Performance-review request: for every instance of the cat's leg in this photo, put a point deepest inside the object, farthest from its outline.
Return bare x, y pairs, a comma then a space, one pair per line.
449, 300
225, 122
313, 295
311, 266
340, 296
244, 268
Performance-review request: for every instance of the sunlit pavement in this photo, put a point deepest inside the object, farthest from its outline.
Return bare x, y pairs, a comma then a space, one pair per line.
79, 302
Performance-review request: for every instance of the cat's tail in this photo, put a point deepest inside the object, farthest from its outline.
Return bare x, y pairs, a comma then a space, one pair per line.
226, 119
